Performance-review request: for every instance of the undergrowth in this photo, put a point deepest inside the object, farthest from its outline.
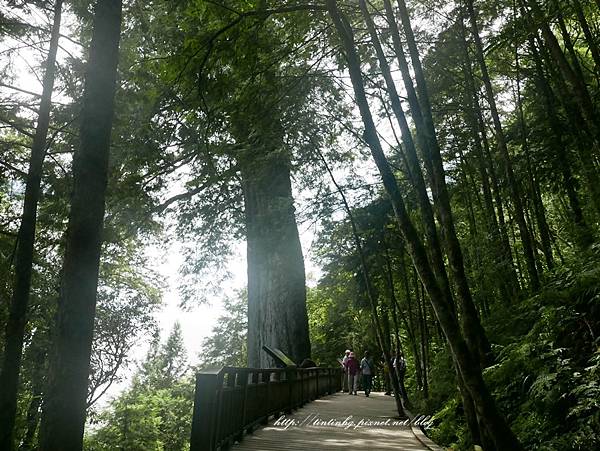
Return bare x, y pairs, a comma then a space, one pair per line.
546, 376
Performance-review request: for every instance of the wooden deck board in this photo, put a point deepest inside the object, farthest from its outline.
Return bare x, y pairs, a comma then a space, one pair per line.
306, 435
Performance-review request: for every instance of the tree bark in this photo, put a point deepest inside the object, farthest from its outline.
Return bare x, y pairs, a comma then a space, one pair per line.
64, 412
277, 315
467, 365
17, 317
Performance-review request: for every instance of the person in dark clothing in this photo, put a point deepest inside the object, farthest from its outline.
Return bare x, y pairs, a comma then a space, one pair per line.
400, 369
368, 369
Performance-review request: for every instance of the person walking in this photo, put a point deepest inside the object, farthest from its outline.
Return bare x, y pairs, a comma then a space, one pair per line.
345, 371
400, 368
368, 369
352, 370
386, 375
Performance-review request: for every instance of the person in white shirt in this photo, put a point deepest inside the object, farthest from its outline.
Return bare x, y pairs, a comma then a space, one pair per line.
345, 378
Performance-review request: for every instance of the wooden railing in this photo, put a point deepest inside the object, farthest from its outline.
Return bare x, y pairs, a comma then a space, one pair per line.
232, 401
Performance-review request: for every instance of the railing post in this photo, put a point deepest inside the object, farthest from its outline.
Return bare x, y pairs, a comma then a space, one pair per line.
265, 420
205, 405
290, 376
244, 384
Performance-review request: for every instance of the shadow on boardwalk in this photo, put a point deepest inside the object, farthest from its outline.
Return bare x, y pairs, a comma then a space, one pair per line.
337, 422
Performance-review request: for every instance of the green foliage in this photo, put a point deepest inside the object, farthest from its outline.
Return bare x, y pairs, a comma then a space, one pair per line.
227, 344
210, 90
546, 375
155, 412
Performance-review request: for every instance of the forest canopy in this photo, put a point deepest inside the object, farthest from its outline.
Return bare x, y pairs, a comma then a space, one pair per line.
438, 162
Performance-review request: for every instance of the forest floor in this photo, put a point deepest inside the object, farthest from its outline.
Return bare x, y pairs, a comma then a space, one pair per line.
336, 422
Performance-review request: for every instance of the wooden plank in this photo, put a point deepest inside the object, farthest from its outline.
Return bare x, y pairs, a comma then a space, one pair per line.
307, 428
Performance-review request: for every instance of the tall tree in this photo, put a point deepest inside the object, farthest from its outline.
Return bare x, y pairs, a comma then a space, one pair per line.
64, 411
277, 315
514, 188
495, 424
472, 329
17, 319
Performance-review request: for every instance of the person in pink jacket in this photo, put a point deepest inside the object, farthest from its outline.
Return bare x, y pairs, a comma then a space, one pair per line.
351, 366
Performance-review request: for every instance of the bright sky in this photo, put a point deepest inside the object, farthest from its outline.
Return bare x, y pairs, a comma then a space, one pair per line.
197, 322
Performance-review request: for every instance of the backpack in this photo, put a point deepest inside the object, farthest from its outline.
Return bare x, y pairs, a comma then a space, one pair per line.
401, 365
367, 363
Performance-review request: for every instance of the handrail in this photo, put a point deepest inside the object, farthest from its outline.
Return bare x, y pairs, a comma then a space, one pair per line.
231, 401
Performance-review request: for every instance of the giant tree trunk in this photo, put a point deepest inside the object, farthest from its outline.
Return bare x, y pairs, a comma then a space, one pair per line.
467, 366
64, 412
277, 314
17, 316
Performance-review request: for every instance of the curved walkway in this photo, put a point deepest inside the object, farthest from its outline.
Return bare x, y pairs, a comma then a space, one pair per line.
339, 422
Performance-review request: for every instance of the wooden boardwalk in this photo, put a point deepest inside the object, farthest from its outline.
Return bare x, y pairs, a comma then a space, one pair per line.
312, 428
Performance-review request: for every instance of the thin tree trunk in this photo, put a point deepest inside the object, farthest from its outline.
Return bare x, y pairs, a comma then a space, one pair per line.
413, 166
370, 294
64, 413
397, 344
562, 157
472, 329
584, 106
496, 189
568, 42
538, 206
410, 325
577, 84
33, 410
587, 32
507, 263
424, 344
467, 365
17, 316
508, 284
515, 193
395, 305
